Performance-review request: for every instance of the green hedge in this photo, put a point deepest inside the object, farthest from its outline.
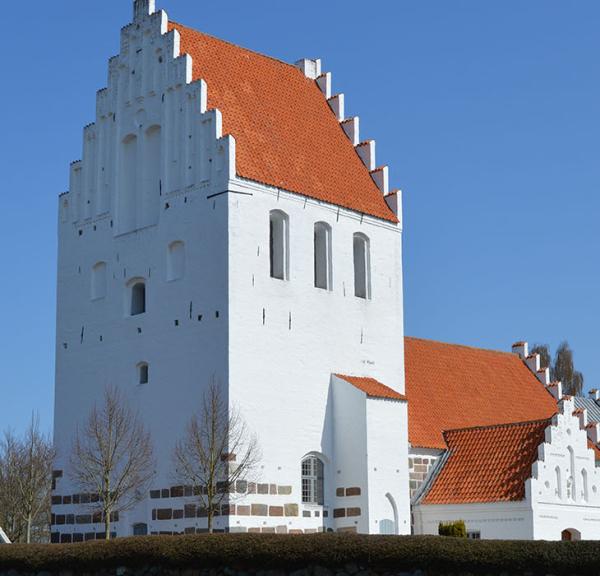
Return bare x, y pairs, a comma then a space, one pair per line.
249, 552
458, 529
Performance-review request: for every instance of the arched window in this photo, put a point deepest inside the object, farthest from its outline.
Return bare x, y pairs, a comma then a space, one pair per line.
322, 256
584, 485
143, 374
138, 298
571, 483
175, 261
362, 266
570, 535
312, 480
99, 281
558, 482
279, 244
140, 529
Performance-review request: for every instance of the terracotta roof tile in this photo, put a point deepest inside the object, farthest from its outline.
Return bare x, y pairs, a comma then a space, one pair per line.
450, 386
372, 387
286, 134
487, 464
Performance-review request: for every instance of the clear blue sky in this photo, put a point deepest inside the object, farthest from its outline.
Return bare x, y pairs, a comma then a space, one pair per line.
487, 113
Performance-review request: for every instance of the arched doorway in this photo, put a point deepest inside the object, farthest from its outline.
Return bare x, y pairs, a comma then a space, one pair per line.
570, 534
387, 525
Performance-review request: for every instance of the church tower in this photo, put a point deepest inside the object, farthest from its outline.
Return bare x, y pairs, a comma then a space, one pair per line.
227, 224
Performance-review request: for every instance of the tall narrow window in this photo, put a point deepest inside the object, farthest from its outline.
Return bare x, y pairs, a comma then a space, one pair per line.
322, 263
99, 281
571, 481
584, 485
143, 373
128, 183
151, 177
362, 267
312, 480
138, 298
175, 261
279, 244
558, 482
64, 211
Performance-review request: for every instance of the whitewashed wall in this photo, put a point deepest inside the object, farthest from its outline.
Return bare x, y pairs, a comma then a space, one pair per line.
493, 520
348, 424
550, 505
574, 503
387, 449
308, 333
137, 190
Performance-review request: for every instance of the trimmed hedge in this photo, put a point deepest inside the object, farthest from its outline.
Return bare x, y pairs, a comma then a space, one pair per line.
458, 529
254, 552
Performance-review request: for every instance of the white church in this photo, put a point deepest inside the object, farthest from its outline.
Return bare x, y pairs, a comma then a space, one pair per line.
227, 223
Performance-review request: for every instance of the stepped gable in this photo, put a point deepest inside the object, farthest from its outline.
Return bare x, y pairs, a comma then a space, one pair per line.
450, 386
286, 133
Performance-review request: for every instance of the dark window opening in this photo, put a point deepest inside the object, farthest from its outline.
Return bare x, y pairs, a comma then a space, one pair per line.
138, 299
143, 373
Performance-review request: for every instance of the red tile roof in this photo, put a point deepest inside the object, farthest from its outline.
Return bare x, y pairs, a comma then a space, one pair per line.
487, 464
450, 386
373, 388
286, 134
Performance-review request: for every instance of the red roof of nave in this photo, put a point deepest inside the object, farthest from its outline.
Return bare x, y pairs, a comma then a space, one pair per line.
450, 386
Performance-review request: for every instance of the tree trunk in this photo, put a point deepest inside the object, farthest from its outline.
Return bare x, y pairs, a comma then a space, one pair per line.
107, 524
28, 535
210, 518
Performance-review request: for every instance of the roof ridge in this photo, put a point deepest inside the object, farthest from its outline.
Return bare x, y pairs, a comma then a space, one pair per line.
501, 425
454, 345
238, 46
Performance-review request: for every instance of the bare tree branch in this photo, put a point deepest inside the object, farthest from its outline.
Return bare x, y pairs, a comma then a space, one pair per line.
26, 484
112, 457
563, 367
216, 451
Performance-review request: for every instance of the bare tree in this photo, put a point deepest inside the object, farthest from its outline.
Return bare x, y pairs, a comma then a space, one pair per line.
545, 357
112, 458
26, 480
10, 469
35, 480
563, 368
216, 451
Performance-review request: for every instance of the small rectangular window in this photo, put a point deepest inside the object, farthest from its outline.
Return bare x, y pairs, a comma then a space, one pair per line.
143, 373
